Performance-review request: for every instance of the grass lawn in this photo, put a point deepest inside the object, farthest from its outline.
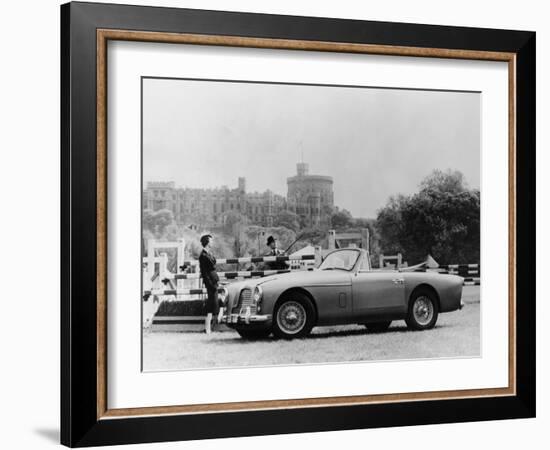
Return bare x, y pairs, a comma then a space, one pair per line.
457, 334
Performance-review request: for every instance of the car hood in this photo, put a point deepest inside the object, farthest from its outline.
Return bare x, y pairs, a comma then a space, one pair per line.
301, 278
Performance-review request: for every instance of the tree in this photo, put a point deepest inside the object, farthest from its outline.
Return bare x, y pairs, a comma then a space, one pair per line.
287, 219
390, 225
448, 181
442, 220
341, 219
231, 219
374, 235
158, 223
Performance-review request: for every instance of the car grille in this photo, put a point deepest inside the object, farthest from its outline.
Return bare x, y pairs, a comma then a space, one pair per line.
245, 301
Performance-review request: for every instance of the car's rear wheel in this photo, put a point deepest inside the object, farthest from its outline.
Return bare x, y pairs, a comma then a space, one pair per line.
423, 310
294, 316
378, 327
251, 335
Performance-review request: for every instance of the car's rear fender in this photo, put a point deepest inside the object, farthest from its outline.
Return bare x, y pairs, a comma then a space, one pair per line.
427, 287
447, 288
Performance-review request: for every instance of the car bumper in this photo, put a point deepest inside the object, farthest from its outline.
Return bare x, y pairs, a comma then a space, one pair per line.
246, 317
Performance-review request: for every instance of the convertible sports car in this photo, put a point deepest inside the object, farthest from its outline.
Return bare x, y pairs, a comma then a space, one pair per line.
344, 289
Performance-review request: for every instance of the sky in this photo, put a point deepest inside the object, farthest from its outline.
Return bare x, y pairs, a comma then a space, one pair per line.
373, 142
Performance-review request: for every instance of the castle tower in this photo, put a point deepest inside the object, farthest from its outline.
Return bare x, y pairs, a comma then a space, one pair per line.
302, 169
310, 196
242, 185
241, 194
160, 195
315, 209
268, 202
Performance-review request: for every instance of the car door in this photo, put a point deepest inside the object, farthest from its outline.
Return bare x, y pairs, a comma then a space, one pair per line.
378, 293
332, 293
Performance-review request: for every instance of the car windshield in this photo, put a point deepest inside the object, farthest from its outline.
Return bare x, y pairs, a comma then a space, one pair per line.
340, 260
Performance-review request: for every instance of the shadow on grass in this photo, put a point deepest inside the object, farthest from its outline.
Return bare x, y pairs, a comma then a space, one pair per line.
396, 329
358, 332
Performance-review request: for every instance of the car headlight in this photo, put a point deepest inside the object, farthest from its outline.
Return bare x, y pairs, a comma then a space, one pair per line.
223, 295
257, 294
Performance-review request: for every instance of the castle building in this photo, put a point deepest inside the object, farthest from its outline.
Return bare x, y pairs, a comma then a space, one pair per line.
210, 207
311, 197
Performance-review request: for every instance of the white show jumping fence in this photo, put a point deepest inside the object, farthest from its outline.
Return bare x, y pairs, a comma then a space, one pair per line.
252, 259
470, 272
162, 284
166, 277
155, 269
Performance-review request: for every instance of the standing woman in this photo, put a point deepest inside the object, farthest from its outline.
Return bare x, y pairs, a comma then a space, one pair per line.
207, 264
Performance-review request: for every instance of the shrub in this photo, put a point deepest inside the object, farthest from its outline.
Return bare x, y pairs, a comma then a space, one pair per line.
182, 308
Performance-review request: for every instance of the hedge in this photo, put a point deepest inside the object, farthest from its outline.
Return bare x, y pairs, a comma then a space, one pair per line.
182, 308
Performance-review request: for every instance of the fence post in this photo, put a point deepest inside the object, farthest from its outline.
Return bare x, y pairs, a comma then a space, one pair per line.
163, 266
365, 239
180, 258
150, 258
180, 253
318, 256
331, 239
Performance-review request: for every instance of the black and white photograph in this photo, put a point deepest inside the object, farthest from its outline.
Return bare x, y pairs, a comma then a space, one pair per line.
288, 224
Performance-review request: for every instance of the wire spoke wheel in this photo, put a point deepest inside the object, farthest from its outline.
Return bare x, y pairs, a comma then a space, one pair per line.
291, 317
423, 310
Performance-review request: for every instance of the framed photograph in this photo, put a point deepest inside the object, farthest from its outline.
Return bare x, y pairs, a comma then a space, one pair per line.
276, 224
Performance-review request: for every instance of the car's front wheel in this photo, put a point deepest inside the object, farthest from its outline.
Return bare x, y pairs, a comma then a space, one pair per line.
294, 316
423, 310
251, 335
